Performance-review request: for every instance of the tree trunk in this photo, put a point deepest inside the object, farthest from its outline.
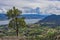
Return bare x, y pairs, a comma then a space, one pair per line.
16, 27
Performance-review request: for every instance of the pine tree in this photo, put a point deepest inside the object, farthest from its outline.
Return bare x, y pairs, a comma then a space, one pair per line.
15, 22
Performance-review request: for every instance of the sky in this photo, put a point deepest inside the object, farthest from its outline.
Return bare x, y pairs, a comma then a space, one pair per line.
46, 6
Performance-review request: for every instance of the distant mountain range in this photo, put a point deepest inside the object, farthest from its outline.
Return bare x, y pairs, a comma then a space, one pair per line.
33, 16
26, 16
29, 18
44, 20
52, 21
3, 16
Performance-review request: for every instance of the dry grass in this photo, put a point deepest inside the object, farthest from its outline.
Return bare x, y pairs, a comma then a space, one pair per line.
10, 38
14, 38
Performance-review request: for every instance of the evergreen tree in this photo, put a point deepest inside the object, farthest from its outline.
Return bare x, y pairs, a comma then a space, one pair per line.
15, 21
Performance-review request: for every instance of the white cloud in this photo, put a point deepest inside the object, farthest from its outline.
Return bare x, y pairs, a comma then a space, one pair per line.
43, 4
3, 10
22, 3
